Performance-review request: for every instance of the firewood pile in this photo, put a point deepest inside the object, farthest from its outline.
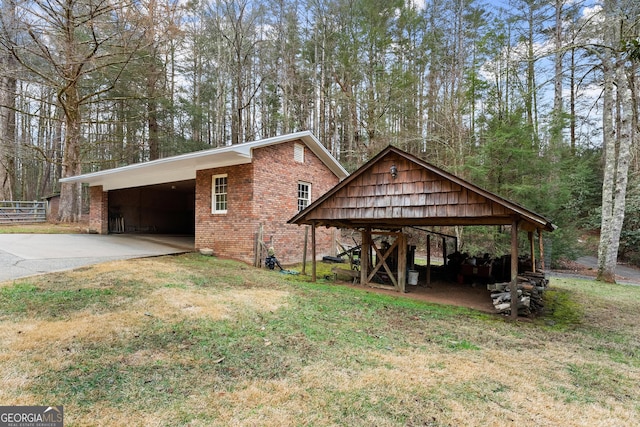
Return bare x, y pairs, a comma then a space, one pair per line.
531, 286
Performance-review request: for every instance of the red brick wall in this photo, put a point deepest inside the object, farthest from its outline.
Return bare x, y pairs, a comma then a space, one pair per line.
53, 208
262, 193
231, 234
98, 210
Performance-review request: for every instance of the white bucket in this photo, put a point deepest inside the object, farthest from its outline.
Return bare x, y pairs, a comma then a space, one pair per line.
413, 277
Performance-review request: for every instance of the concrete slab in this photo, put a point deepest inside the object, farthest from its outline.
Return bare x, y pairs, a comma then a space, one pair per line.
23, 255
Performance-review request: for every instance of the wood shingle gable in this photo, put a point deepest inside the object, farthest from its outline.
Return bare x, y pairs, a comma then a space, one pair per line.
419, 194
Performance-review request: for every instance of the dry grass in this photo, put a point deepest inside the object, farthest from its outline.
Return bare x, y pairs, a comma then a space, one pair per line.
45, 228
196, 341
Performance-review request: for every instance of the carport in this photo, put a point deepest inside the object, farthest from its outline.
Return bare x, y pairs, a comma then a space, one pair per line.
167, 208
395, 190
158, 196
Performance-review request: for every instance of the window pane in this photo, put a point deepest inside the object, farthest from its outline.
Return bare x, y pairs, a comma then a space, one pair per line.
220, 194
304, 195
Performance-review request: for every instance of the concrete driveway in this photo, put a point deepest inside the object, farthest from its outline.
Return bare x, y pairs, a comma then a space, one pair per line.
23, 255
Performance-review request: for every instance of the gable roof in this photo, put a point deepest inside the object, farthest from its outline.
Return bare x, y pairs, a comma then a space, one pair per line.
184, 166
420, 194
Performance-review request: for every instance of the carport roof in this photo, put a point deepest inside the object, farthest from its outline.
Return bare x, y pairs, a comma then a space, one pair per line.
184, 167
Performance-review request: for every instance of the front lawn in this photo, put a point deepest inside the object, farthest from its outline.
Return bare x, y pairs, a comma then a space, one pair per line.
194, 340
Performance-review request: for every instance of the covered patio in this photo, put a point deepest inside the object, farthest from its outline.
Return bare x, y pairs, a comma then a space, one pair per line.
395, 190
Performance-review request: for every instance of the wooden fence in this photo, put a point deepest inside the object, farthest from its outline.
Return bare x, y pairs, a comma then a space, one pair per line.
12, 212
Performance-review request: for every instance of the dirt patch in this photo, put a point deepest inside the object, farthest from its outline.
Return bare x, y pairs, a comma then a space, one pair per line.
475, 296
169, 302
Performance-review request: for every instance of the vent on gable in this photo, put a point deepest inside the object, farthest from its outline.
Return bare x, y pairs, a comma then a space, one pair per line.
298, 153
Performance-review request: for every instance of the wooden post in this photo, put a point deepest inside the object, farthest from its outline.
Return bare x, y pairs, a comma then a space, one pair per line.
258, 258
532, 248
313, 251
541, 247
304, 251
334, 238
402, 262
444, 250
428, 259
365, 256
514, 269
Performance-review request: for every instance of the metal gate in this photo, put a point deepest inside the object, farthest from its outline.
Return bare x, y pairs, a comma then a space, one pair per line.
12, 212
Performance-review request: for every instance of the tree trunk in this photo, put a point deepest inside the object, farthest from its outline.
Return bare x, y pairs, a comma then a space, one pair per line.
7, 110
557, 125
617, 152
69, 210
7, 131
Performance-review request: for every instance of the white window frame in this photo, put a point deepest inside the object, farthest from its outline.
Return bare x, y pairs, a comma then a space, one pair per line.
215, 194
306, 201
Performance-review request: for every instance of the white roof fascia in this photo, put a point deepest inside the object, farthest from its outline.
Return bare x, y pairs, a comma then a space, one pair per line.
183, 167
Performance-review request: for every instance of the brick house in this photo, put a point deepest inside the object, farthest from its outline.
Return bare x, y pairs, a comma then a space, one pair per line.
224, 196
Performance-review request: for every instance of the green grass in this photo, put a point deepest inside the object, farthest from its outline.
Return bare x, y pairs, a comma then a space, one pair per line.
27, 300
562, 311
193, 340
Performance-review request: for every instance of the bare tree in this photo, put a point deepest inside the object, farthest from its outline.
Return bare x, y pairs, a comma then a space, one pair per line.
63, 44
158, 24
238, 24
7, 102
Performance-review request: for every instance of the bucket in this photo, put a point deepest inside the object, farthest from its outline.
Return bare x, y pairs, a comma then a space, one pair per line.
413, 277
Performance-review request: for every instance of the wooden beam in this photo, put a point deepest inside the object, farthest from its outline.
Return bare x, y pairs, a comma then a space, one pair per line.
313, 252
541, 248
444, 251
532, 249
304, 252
424, 221
364, 256
514, 269
402, 262
428, 259
258, 257
381, 261
381, 286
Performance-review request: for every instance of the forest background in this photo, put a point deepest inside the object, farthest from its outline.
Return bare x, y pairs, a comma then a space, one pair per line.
534, 100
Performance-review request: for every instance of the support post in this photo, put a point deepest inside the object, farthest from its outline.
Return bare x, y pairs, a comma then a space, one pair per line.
514, 269
334, 238
541, 248
365, 259
259, 244
304, 251
402, 262
313, 251
532, 248
99, 210
428, 259
444, 251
